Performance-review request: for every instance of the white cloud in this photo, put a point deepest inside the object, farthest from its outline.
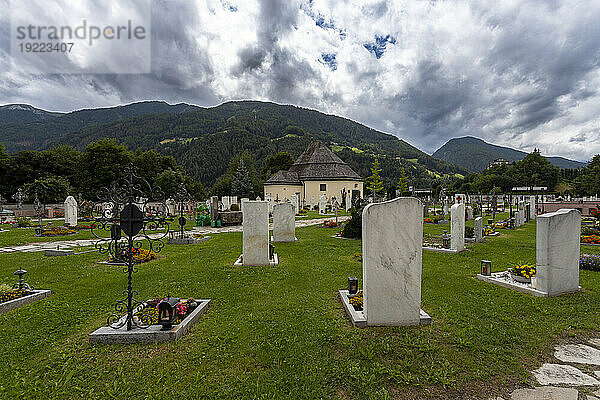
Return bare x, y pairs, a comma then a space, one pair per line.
522, 74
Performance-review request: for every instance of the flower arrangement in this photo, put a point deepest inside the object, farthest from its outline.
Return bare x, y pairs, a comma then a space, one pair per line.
595, 212
433, 244
357, 301
590, 262
82, 227
149, 314
198, 235
12, 294
488, 231
428, 220
525, 270
329, 223
590, 239
58, 231
437, 218
357, 256
139, 256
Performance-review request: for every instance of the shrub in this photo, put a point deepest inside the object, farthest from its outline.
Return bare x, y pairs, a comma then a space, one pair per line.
23, 222
353, 228
234, 207
590, 262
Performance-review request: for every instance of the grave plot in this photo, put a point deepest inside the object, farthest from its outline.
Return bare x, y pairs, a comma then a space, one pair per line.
557, 259
20, 294
256, 249
455, 242
124, 209
183, 198
392, 232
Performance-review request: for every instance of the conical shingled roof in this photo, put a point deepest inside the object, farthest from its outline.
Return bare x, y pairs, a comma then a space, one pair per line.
319, 163
282, 177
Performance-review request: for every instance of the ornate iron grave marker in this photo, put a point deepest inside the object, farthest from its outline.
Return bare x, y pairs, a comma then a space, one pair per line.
39, 211
182, 197
19, 197
122, 208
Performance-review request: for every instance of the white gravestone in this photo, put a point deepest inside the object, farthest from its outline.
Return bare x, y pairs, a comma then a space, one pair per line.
557, 252
269, 199
348, 201
296, 203
312, 203
322, 204
469, 212
233, 199
226, 200
392, 234
445, 208
255, 227
478, 229
284, 223
70, 211
532, 207
457, 227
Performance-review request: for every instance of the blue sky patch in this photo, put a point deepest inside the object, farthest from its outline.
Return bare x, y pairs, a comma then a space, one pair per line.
329, 59
378, 47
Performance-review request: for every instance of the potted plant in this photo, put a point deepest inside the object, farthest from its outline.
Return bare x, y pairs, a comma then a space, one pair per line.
522, 273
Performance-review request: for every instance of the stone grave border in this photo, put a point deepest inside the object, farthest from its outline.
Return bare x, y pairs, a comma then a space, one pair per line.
152, 334
450, 251
358, 318
519, 287
22, 301
295, 240
187, 240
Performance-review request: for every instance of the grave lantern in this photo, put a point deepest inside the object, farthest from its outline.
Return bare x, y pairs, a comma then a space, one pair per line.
21, 284
490, 222
486, 267
446, 240
352, 285
271, 251
166, 312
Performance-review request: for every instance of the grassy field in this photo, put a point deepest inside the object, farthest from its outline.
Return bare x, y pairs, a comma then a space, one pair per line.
280, 332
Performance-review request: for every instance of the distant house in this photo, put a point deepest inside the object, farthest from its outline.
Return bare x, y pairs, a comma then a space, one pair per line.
498, 161
316, 172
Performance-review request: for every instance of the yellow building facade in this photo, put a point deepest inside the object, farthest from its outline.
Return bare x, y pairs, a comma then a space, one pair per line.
318, 171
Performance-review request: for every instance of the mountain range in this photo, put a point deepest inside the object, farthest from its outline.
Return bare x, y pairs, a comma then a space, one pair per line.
475, 154
204, 140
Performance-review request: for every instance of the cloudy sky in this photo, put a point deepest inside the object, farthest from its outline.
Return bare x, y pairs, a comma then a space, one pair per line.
519, 73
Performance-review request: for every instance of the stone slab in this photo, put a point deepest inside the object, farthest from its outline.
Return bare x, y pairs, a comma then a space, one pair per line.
558, 374
439, 250
577, 354
152, 334
358, 317
58, 252
545, 393
20, 302
187, 240
511, 285
255, 237
274, 261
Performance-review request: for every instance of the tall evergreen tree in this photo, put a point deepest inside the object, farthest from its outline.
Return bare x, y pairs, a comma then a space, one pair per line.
375, 184
241, 185
403, 182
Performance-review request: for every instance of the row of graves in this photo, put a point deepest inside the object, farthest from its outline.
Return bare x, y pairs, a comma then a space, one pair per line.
392, 234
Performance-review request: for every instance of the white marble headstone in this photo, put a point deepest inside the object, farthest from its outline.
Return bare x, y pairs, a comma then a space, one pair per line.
348, 201
557, 251
284, 223
478, 229
457, 227
322, 204
70, 211
392, 234
255, 228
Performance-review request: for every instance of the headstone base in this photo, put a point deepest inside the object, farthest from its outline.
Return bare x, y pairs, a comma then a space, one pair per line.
284, 241
154, 333
274, 261
437, 249
358, 317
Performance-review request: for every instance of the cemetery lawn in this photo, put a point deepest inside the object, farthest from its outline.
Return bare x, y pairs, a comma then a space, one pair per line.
280, 332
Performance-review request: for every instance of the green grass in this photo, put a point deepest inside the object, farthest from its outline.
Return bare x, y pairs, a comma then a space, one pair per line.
280, 332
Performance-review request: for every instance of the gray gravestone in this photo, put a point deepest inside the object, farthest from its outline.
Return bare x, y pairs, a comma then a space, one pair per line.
284, 223
322, 204
255, 229
392, 234
457, 227
478, 229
